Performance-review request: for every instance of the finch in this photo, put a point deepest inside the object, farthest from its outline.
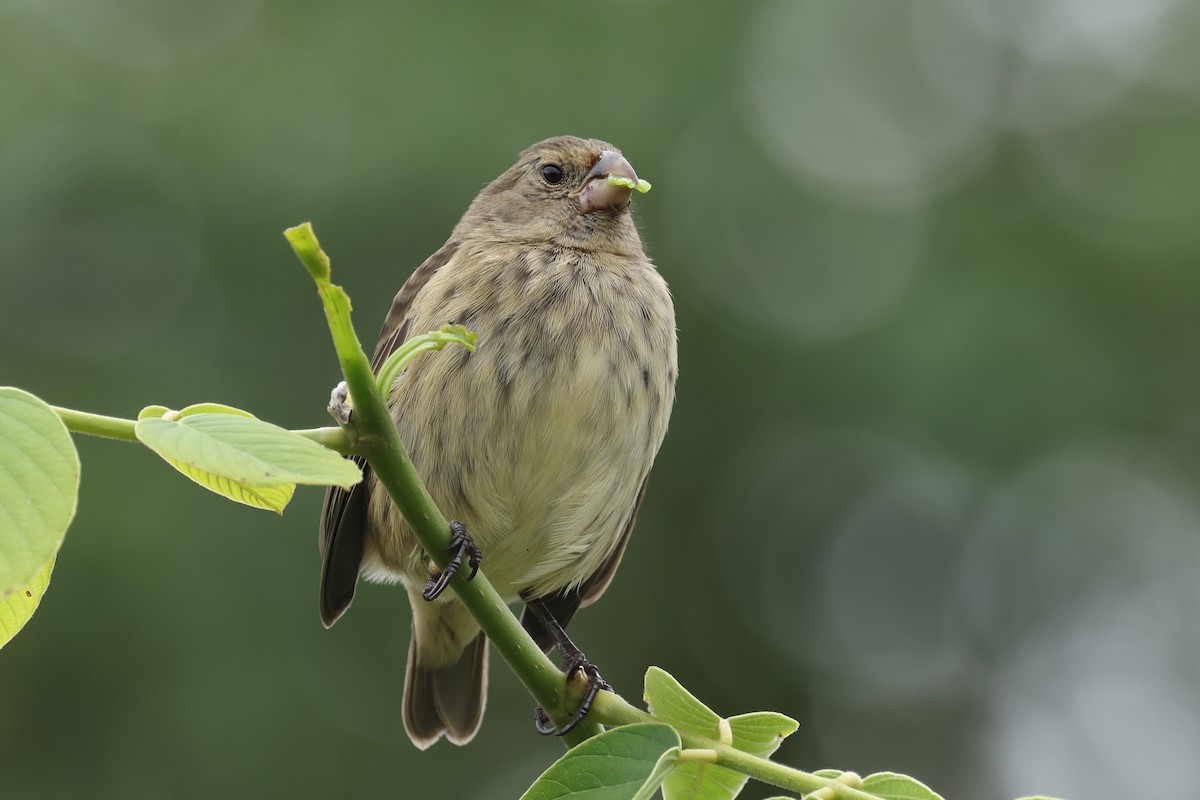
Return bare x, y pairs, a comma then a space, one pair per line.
540, 443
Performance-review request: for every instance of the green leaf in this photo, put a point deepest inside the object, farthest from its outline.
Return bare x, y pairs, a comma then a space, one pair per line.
162, 412
642, 186
268, 498
662, 769
892, 786
213, 408
699, 781
670, 702
759, 733
615, 765
17, 607
232, 453
39, 486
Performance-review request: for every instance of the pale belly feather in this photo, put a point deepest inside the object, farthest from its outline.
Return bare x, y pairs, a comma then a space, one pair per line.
539, 441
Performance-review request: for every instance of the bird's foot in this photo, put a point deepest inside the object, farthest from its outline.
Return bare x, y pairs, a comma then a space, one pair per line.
341, 407
464, 547
595, 683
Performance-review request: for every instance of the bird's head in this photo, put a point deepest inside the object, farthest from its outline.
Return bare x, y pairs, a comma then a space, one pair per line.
560, 191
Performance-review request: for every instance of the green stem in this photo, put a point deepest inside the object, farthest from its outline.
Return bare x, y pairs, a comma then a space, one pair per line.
386, 375
97, 424
784, 777
124, 429
379, 442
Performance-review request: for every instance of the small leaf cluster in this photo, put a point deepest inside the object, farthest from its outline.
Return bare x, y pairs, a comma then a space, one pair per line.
632, 762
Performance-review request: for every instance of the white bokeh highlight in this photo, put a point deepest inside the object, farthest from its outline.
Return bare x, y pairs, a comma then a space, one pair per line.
775, 251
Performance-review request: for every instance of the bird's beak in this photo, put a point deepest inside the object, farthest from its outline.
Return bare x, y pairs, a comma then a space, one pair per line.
597, 193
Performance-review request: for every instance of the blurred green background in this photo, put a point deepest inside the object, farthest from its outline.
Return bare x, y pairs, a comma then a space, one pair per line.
931, 483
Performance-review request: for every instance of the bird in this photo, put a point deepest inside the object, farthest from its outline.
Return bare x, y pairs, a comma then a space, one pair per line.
538, 445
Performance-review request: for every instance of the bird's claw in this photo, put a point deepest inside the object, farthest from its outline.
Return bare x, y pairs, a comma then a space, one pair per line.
595, 684
340, 405
463, 546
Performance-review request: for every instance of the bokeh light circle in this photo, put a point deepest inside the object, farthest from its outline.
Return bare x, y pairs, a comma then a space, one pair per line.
767, 250
886, 104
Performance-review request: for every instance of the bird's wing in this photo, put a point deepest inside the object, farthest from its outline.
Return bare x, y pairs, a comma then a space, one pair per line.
564, 604
395, 325
344, 512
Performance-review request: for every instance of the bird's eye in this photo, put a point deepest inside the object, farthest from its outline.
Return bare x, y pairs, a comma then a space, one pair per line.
552, 174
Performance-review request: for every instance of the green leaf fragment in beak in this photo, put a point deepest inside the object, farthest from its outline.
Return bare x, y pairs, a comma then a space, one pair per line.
642, 185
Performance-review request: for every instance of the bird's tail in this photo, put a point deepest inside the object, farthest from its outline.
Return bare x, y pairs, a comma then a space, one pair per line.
443, 695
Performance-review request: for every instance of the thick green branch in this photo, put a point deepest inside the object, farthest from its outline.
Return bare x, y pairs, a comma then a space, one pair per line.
379, 442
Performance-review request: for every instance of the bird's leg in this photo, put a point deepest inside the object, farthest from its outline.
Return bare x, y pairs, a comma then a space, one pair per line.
463, 545
573, 661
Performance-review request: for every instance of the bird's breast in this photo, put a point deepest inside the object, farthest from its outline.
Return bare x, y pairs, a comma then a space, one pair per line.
540, 439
